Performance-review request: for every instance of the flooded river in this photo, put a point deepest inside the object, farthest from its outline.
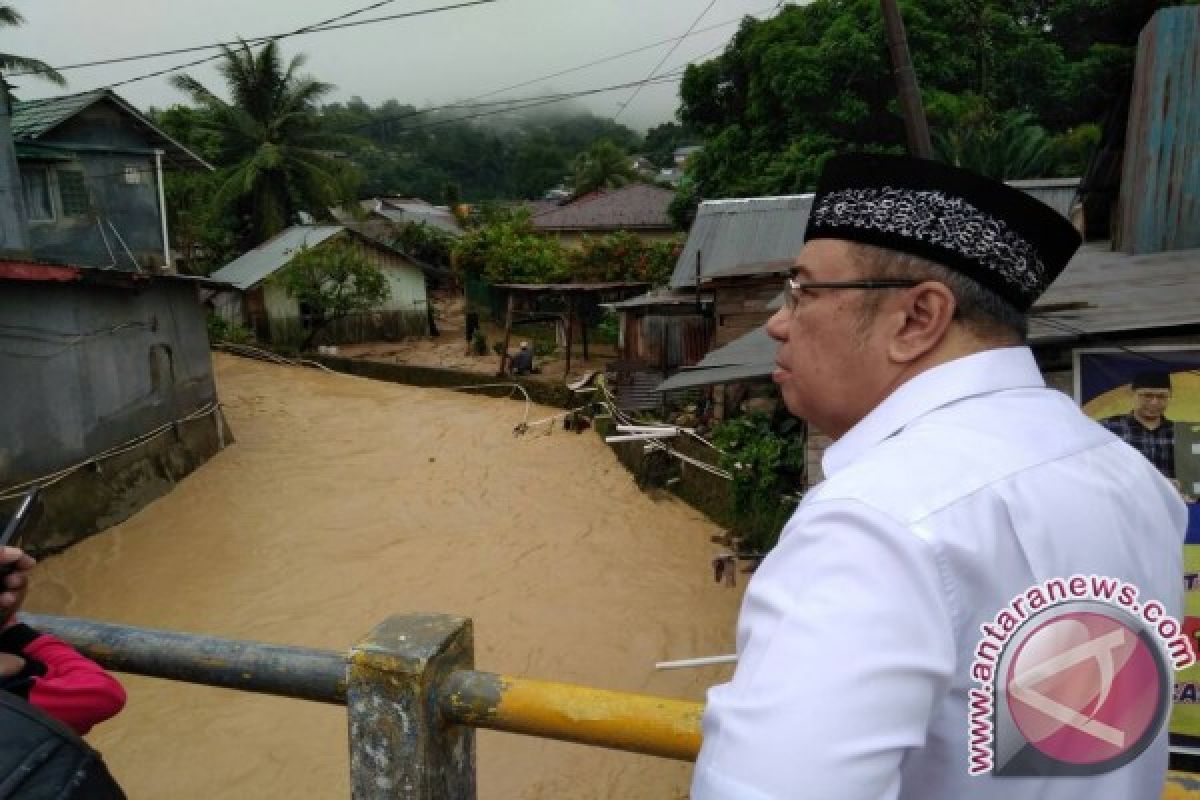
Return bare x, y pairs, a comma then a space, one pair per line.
345, 500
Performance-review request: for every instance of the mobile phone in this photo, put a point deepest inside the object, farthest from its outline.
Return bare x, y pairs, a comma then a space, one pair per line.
16, 522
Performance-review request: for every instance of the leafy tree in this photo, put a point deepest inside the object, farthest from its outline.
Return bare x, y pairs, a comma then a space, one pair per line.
11, 18
1005, 146
425, 243
623, 256
789, 92
330, 282
506, 249
662, 140
272, 150
603, 165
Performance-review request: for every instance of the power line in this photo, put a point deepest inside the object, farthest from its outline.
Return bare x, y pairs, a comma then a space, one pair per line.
469, 102
634, 51
317, 27
663, 60
197, 48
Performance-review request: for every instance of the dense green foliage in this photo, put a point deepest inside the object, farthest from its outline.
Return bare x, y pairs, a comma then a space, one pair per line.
406, 151
425, 243
330, 282
506, 249
766, 462
1013, 88
604, 165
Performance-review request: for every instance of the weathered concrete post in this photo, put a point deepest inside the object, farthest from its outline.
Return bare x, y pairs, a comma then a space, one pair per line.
401, 748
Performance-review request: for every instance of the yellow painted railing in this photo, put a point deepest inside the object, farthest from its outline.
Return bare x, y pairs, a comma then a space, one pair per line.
413, 699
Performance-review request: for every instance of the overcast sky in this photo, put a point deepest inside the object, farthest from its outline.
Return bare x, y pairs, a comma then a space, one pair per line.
426, 60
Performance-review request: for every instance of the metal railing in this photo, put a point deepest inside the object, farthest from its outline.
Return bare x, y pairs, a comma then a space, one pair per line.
412, 696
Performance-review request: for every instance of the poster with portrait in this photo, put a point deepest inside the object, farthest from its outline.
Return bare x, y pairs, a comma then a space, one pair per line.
1167, 381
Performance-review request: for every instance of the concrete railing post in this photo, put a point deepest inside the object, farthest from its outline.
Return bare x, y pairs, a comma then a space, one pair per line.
401, 747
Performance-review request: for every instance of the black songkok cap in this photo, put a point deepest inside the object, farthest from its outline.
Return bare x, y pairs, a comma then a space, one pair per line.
1152, 379
995, 234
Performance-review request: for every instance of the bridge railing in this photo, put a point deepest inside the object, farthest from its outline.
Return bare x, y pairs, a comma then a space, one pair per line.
412, 695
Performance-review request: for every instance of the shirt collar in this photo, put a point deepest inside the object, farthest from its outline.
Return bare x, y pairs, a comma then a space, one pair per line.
979, 373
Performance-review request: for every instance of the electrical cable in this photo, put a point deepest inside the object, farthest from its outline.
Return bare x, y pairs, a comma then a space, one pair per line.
17, 489
663, 60
197, 48
318, 27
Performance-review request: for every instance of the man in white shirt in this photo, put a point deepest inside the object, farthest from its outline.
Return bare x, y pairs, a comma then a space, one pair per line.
958, 489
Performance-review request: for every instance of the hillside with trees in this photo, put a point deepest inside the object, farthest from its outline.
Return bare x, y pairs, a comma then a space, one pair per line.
1012, 88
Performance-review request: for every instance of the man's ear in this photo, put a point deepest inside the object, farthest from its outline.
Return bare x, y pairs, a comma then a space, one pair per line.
926, 311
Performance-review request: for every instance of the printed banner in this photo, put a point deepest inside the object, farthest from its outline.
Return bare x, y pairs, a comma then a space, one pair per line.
1151, 398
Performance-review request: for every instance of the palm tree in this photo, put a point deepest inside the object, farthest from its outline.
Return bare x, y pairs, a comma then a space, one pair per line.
603, 165
1007, 146
10, 17
272, 150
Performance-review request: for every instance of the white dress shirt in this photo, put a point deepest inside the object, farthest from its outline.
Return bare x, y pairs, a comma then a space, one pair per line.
970, 484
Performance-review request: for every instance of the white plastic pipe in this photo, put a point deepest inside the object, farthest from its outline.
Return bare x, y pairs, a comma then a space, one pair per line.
641, 437
703, 661
162, 209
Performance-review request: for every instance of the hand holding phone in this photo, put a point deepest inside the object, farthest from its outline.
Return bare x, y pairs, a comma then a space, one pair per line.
16, 523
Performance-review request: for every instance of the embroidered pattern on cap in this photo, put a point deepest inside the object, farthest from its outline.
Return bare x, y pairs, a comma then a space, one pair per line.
941, 220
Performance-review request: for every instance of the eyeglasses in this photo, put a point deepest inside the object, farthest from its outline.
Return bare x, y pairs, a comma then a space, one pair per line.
794, 288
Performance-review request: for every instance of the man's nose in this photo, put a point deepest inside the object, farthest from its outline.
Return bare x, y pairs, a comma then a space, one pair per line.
777, 325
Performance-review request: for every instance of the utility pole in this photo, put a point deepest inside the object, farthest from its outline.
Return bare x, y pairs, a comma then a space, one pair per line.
915, 126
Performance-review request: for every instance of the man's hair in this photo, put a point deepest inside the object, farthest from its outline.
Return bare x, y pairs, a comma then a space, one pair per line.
982, 311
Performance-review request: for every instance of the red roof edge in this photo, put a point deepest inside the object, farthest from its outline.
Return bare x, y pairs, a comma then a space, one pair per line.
29, 271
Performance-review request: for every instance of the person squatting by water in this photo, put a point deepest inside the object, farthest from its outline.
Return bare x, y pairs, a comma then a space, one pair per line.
956, 481
44, 670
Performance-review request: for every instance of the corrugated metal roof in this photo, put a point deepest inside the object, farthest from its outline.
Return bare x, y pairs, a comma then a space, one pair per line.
32, 119
1058, 193
661, 297
251, 268
430, 215
1107, 292
633, 207
743, 234
751, 356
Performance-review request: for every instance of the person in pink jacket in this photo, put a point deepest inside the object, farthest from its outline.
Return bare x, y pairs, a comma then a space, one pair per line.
44, 670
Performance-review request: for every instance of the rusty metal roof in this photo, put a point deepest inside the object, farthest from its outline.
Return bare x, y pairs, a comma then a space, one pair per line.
634, 207
1103, 292
746, 236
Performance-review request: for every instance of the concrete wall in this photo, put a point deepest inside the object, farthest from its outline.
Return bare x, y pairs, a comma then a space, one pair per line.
88, 367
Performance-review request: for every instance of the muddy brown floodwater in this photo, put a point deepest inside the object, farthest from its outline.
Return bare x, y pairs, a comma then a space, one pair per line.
346, 500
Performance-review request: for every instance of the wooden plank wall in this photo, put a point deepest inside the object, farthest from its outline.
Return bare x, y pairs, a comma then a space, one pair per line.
742, 307
1160, 183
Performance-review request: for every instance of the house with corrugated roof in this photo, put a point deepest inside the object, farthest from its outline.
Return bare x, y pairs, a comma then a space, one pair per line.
259, 301
638, 208
91, 169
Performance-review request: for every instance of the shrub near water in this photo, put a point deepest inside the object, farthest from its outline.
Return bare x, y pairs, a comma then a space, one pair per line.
765, 461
